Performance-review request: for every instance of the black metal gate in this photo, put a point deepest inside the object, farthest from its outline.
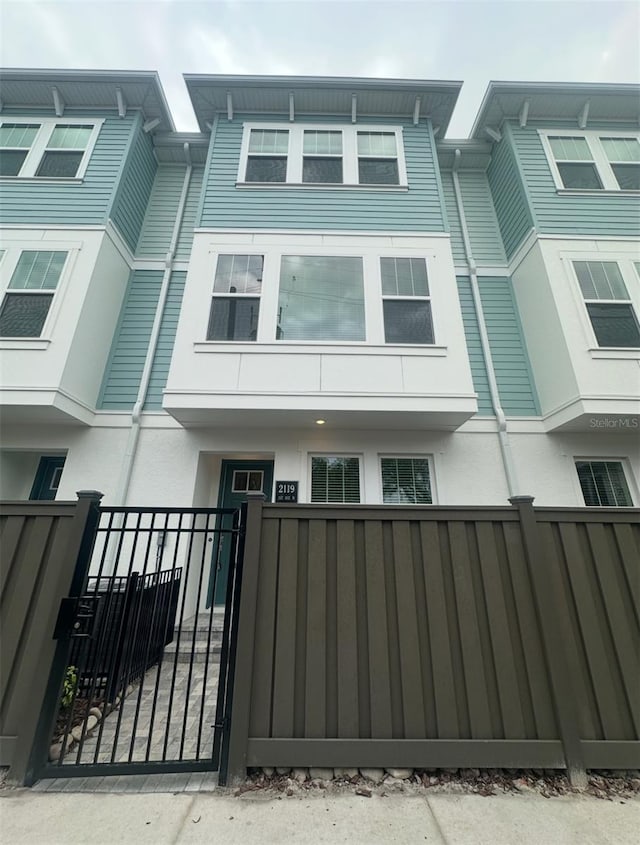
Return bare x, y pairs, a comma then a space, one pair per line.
143, 675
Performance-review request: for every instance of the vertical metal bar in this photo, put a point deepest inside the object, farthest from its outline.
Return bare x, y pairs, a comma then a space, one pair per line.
213, 577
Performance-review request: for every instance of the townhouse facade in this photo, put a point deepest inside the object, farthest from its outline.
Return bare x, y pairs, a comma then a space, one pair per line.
318, 295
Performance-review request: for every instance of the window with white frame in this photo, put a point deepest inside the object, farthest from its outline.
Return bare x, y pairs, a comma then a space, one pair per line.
30, 292
335, 479
608, 303
235, 305
603, 483
317, 155
405, 301
46, 148
321, 298
406, 481
593, 161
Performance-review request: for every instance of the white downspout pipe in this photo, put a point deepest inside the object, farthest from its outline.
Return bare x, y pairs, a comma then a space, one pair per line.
134, 432
503, 434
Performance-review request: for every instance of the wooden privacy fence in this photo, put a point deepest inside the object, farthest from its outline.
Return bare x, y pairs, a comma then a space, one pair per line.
428, 637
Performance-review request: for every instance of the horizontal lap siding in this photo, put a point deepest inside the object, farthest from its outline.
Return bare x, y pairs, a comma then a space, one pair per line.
482, 223
157, 229
418, 209
510, 200
508, 351
86, 203
131, 340
558, 214
166, 339
131, 201
442, 635
474, 347
185, 236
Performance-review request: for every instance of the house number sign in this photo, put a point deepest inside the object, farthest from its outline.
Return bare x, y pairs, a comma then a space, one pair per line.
286, 491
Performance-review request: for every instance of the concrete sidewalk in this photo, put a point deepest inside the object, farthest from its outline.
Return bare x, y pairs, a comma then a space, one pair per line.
45, 818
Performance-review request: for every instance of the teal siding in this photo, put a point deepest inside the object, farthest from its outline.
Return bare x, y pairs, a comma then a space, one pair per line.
482, 223
132, 197
508, 351
131, 340
597, 215
185, 237
474, 347
225, 206
515, 218
87, 202
166, 339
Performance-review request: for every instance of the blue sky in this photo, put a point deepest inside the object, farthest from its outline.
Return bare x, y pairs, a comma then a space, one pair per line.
468, 40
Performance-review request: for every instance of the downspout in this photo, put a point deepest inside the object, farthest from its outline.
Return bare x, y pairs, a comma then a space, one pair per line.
503, 434
134, 431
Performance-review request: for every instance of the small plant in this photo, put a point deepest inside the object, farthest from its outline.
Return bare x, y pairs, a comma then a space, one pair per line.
69, 687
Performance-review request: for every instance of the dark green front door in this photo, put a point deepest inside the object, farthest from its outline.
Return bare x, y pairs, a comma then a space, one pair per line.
236, 480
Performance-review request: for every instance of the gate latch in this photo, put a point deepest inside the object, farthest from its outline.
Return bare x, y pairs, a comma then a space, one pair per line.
76, 616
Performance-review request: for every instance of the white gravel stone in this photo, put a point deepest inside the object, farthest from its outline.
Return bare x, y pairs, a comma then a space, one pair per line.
92, 721
283, 770
345, 773
400, 774
375, 775
76, 733
55, 751
321, 774
300, 775
97, 712
268, 771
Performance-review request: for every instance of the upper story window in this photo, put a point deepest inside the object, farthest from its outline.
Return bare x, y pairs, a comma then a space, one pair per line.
235, 305
318, 155
45, 148
608, 303
593, 161
29, 294
405, 300
321, 298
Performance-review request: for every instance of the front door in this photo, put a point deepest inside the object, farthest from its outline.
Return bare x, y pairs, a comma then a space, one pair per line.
236, 480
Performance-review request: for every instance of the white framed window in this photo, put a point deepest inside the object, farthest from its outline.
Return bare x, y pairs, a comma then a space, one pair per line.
406, 480
320, 155
593, 161
609, 306
27, 300
235, 305
335, 479
46, 148
321, 298
603, 483
406, 301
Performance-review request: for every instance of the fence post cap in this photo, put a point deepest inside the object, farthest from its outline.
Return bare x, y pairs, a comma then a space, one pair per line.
89, 494
256, 497
521, 500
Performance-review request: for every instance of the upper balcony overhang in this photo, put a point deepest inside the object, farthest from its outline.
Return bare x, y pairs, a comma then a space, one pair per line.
403, 99
87, 89
42, 406
615, 415
549, 101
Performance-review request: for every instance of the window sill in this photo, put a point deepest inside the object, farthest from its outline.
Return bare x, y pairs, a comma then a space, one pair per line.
615, 352
318, 348
321, 186
44, 180
589, 192
23, 343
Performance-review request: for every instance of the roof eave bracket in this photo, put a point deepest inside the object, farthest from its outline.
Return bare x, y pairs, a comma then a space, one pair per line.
416, 111
150, 125
229, 106
524, 114
354, 108
58, 102
122, 105
292, 110
495, 134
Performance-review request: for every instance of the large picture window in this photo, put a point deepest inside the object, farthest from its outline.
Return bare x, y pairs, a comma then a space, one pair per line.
45, 148
321, 298
31, 289
235, 305
608, 304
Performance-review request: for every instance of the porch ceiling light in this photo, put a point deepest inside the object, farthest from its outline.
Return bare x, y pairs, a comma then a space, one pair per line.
320, 422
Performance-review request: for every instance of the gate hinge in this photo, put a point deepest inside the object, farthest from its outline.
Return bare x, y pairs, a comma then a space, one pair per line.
221, 725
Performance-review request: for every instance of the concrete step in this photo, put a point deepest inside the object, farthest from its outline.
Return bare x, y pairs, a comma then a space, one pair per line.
193, 654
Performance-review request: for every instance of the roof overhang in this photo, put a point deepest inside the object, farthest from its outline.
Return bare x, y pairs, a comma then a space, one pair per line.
87, 89
170, 147
530, 101
406, 99
474, 155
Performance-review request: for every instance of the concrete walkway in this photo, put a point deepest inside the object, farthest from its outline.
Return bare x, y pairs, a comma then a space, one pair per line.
45, 818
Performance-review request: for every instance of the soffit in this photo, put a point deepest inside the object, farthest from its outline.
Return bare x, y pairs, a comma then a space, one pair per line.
322, 95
